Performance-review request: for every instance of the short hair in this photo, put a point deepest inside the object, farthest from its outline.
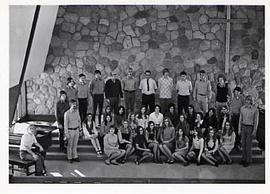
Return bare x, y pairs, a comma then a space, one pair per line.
147, 71
81, 75
171, 105
249, 97
183, 73
138, 129
202, 71
158, 107
221, 76
130, 68
62, 92
97, 72
237, 88
201, 114
166, 70
72, 101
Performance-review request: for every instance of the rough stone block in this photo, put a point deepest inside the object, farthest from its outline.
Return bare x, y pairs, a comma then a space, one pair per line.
85, 20
71, 17
77, 36
59, 21
79, 63
204, 28
210, 36
145, 37
127, 44
198, 35
203, 19
65, 36
161, 22
85, 31
82, 46
141, 22
215, 44
128, 30
79, 54
172, 26
131, 10
61, 11
136, 42
188, 34
104, 22
102, 28
211, 11
163, 13
220, 35
166, 46
68, 27
205, 45
58, 51
161, 29
92, 26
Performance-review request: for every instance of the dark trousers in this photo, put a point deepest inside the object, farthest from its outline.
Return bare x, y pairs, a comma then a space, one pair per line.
61, 135
98, 100
164, 103
101, 142
129, 101
149, 100
182, 103
246, 139
235, 122
114, 103
83, 108
39, 166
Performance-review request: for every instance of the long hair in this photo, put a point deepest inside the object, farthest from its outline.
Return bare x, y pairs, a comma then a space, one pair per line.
214, 113
193, 113
170, 122
199, 131
129, 117
105, 120
230, 129
208, 135
137, 130
140, 115
177, 135
124, 110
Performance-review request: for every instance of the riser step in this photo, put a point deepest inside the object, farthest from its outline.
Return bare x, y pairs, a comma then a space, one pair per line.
81, 148
93, 157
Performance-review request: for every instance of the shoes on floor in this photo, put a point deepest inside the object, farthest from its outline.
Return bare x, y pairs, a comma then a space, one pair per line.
186, 163
107, 162
229, 162
242, 162
114, 162
246, 164
70, 160
76, 159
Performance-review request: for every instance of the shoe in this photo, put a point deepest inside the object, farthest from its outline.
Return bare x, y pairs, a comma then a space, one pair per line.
107, 162
216, 164
136, 162
114, 162
99, 155
246, 164
76, 159
70, 160
242, 162
229, 162
198, 163
186, 163
171, 161
123, 161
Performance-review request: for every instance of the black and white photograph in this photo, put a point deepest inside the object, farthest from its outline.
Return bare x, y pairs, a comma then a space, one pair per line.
136, 93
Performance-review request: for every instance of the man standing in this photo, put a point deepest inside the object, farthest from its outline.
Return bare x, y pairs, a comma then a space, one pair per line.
184, 89
82, 96
235, 106
165, 86
61, 107
71, 90
148, 87
72, 126
248, 123
129, 87
113, 90
202, 92
96, 89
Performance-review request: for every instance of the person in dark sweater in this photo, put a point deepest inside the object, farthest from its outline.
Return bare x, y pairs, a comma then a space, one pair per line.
211, 119
61, 107
113, 91
183, 124
191, 117
171, 113
120, 116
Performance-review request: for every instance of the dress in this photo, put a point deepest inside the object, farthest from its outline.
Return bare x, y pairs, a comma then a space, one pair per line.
228, 142
125, 136
110, 140
179, 144
167, 134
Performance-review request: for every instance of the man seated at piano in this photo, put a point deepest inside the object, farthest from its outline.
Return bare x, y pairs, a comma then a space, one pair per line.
26, 152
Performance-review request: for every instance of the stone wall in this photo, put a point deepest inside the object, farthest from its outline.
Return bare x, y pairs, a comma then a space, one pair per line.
113, 38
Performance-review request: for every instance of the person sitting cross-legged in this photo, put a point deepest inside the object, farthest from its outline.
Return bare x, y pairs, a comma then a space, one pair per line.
141, 150
211, 145
181, 147
111, 147
151, 139
90, 131
27, 141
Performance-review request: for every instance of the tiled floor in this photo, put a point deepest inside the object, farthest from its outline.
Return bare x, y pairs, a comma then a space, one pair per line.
151, 170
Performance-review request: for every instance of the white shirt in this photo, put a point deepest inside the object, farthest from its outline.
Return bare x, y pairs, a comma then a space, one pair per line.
165, 86
184, 87
27, 141
152, 86
157, 119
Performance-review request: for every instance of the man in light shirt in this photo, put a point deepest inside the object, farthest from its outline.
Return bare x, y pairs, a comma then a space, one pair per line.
202, 92
165, 86
27, 141
148, 87
184, 89
129, 87
72, 126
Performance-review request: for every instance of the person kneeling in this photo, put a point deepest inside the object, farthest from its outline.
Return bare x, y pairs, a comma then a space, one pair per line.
28, 139
141, 150
181, 147
111, 147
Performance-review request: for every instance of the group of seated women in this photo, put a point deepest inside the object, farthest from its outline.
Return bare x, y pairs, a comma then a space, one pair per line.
162, 138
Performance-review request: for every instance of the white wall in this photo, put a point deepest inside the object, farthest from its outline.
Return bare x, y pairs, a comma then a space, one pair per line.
21, 18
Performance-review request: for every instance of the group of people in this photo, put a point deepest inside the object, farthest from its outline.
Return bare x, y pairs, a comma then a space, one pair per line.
183, 135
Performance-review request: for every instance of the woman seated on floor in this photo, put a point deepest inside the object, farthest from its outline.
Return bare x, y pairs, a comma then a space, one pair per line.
227, 142
197, 149
27, 141
125, 140
181, 147
142, 117
141, 150
104, 128
151, 139
167, 136
111, 147
120, 116
211, 146
90, 132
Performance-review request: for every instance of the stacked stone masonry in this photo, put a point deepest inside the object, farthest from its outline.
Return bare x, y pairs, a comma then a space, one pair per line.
113, 38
